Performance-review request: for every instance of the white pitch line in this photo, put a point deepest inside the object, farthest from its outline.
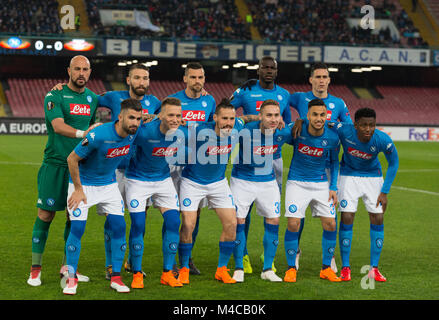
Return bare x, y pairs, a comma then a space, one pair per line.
20, 163
416, 190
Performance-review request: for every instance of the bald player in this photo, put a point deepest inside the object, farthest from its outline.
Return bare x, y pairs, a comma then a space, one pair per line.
70, 115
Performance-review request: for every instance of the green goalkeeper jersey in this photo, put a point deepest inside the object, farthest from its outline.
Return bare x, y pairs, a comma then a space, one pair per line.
78, 111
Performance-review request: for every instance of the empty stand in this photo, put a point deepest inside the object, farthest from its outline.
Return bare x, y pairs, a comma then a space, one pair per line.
400, 105
26, 96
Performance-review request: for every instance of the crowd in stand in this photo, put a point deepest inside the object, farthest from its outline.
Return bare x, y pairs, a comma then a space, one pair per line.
298, 21
311, 21
29, 17
187, 19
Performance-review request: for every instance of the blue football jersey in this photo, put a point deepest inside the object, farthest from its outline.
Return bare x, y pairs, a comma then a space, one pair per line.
210, 156
336, 107
256, 152
361, 159
196, 110
112, 99
309, 157
251, 100
102, 151
154, 152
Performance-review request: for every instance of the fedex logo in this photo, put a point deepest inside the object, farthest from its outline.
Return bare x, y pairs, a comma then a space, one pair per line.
263, 150
310, 151
80, 109
194, 115
219, 150
424, 134
118, 152
164, 152
359, 154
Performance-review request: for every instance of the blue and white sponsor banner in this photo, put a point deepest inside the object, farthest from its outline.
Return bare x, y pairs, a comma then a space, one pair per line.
377, 56
211, 50
436, 57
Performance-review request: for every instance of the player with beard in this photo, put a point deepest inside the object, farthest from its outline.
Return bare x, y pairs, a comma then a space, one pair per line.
92, 165
197, 107
204, 177
70, 114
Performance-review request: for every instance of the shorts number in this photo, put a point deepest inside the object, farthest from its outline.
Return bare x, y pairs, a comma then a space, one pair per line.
231, 198
277, 207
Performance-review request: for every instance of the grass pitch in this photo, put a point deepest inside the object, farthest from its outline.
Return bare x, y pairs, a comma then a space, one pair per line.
409, 259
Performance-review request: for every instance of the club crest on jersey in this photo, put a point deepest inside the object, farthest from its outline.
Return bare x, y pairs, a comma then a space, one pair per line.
118, 152
324, 143
359, 154
331, 105
310, 151
89, 99
80, 109
279, 97
194, 115
373, 149
204, 104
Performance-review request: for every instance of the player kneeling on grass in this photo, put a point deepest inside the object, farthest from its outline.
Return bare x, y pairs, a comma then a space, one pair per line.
148, 177
308, 185
92, 165
361, 176
254, 180
204, 177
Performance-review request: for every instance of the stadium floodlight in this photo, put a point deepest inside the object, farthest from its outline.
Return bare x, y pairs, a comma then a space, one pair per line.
225, 66
154, 62
366, 69
129, 62
376, 68
236, 65
332, 69
356, 70
254, 67
134, 61
184, 66
121, 64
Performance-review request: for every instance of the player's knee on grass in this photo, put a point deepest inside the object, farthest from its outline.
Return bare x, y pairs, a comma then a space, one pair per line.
376, 218
329, 224
347, 217
293, 224
46, 216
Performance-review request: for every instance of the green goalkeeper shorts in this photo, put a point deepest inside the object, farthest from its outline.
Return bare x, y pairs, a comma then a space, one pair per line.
53, 183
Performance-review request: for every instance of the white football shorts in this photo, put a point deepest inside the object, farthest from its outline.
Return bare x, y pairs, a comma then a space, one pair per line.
278, 166
176, 178
162, 193
218, 195
350, 189
301, 194
107, 199
265, 195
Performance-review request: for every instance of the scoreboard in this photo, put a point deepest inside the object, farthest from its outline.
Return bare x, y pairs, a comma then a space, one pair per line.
44, 46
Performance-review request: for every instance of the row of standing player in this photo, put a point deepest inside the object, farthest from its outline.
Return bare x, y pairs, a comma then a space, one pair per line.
267, 73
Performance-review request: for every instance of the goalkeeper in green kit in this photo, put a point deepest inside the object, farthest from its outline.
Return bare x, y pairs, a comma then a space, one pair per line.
70, 114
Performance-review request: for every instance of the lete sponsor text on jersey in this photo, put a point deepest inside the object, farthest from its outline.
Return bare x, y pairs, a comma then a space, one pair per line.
194, 115
218, 150
263, 150
359, 154
118, 152
80, 109
164, 152
310, 151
